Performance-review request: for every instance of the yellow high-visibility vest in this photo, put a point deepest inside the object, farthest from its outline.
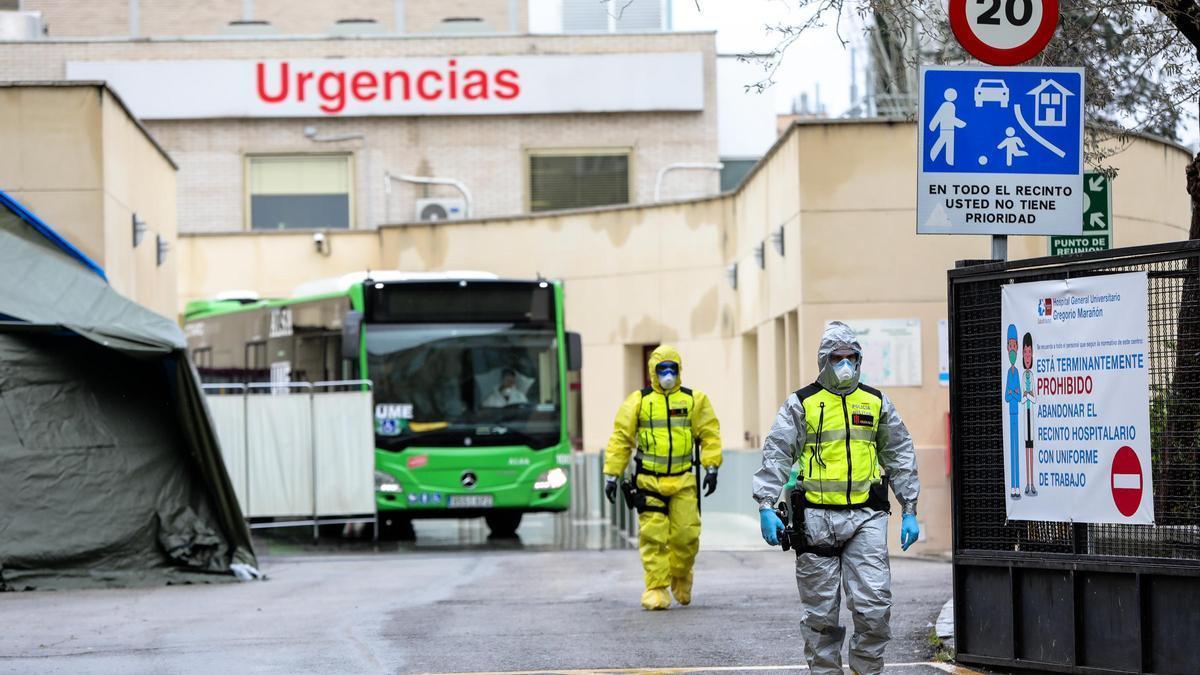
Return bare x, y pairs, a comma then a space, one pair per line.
839, 462
664, 432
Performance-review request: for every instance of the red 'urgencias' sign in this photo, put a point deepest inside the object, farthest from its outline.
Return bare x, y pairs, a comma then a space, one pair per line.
404, 86
280, 83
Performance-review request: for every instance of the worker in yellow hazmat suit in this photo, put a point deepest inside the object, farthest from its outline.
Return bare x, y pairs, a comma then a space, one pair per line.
661, 425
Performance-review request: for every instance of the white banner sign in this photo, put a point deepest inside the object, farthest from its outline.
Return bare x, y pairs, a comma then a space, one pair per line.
468, 85
1075, 395
891, 351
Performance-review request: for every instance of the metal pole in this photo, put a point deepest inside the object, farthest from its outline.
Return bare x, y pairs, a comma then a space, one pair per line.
312, 449
246, 446
1000, 247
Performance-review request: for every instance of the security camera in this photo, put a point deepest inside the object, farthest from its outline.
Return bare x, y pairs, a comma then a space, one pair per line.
319, 242
310, 132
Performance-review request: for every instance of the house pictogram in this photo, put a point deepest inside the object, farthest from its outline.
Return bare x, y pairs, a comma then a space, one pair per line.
1050, 104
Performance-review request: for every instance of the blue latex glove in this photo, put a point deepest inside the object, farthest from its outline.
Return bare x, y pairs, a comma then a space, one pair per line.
771, 526
909, 531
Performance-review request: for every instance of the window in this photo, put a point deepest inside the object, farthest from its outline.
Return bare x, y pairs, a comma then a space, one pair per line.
609, 17
299, 192
571, 180
734, 171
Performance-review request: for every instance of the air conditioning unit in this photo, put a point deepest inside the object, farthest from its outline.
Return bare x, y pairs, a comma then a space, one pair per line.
441, 209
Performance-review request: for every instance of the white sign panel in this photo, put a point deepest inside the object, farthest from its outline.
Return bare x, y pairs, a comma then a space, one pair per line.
468, 85
1075, 396
891, 351
1000, 151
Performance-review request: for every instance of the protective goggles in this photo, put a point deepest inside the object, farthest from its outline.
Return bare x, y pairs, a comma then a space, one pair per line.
667, 367
839, 357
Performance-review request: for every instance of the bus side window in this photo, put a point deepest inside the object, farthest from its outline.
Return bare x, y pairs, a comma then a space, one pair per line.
256, 363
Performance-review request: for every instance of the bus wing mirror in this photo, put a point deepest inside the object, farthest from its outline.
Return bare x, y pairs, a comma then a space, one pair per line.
574, 352
351, 335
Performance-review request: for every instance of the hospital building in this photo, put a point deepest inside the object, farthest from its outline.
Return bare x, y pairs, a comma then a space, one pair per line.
261, 147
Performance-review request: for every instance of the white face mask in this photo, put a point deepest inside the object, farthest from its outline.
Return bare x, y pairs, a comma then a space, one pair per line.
666, 381
844, 370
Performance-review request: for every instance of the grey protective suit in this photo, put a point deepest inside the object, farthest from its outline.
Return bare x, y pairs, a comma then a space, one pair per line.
862, 570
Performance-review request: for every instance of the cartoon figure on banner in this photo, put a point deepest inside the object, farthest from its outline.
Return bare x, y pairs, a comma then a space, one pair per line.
1012, 395
1028, 399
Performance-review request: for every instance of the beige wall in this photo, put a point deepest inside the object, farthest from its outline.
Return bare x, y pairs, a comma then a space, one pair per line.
157, 18
488, 153
844, 194
76, 158
138, 179
67, 194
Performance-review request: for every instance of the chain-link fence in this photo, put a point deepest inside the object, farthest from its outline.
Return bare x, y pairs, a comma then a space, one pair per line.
1078, 597
1174, 368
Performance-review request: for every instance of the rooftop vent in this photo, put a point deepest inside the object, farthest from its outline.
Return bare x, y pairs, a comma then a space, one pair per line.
250, 28
350, 27
21, 26
462, 25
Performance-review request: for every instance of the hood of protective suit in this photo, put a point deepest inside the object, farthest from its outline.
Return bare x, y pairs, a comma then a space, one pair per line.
664, 353
837, 336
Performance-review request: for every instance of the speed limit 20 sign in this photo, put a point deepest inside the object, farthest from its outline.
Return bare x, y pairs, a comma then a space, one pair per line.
1003, 32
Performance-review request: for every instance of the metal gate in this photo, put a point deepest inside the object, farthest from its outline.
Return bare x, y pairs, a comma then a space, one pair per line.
1080, 598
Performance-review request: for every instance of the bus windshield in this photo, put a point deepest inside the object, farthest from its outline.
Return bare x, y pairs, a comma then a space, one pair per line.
464, 384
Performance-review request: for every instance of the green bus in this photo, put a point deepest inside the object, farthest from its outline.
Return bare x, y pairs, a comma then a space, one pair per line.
470, 375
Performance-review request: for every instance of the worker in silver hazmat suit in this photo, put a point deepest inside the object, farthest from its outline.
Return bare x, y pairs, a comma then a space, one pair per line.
849, 443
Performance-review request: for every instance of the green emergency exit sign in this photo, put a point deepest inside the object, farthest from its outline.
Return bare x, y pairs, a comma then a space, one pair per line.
1097, 219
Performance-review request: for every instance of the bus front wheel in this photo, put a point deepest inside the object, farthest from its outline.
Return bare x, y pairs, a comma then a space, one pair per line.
503, 523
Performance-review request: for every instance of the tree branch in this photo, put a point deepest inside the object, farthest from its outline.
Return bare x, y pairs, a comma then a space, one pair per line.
1184, 14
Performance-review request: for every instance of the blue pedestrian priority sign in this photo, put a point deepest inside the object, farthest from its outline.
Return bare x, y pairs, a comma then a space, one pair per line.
1001, 150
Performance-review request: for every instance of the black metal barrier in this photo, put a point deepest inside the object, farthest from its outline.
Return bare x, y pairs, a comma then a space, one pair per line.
1078, 598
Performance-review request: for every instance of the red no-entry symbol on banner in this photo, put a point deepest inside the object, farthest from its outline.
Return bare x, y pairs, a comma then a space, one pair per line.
1003, 32
1126, 481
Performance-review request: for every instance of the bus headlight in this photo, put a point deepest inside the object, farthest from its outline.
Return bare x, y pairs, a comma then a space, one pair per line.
551, 480
386, 482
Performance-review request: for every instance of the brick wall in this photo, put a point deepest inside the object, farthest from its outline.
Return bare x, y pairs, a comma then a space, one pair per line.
157, 18
424, 17
486, 152
71, 18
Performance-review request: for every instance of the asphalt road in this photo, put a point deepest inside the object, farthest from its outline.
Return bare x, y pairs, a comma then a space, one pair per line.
482, 608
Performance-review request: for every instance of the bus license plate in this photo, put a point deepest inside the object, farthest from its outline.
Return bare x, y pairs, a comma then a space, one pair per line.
470, 501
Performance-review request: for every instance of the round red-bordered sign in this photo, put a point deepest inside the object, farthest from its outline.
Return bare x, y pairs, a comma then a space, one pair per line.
989, 44
1125, 481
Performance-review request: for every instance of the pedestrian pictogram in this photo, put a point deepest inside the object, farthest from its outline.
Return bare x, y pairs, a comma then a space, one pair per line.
1003, 32
1001, 150
1126, 481
1097, 219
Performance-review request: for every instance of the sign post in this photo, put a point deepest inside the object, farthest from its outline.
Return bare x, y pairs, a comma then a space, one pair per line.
1097, 219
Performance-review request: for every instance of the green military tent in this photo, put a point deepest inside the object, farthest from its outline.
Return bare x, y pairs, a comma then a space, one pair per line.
110, 471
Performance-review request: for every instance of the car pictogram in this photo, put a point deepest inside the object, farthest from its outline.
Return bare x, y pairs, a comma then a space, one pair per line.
991, 90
